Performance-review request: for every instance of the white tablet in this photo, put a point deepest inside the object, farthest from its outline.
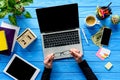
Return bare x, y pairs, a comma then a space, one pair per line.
20, 69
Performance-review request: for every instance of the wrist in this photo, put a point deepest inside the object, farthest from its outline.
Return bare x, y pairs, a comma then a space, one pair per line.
79, 60
48, 67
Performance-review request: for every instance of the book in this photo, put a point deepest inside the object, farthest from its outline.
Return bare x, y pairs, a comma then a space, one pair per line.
3, 42
16, 28
9, 37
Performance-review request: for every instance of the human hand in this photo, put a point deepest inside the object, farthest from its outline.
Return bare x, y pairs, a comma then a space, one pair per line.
48, 61
76, 54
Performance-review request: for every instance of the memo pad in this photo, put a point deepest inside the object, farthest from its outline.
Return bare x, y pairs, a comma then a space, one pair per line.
20, 69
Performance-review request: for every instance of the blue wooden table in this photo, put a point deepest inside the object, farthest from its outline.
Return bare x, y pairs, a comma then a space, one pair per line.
67, 69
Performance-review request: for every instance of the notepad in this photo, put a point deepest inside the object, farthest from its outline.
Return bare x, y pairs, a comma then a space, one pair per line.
10, 38
16, 28
103, 53
108, 66
3, 42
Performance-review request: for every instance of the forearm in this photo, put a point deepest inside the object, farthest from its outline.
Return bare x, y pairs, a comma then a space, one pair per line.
87, 70
46, 74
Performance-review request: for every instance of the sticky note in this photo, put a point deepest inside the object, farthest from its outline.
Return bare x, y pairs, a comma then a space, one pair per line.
3, 41
108, 65
103, 53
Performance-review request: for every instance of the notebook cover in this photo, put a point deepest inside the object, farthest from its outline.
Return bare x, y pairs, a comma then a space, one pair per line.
3, 42
10, 37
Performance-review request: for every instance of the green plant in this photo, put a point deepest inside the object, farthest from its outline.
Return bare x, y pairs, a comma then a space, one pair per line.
14, 8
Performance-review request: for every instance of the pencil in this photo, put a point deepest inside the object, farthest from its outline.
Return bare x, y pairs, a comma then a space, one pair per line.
84, 35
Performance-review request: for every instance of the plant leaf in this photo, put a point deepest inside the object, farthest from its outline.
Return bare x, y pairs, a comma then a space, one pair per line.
30, 1
2, 14
18, 11
12, 19
27, 14
2, 3
24, 4
11, 3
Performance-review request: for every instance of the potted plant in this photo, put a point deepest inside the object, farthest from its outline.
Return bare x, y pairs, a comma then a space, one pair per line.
14, 8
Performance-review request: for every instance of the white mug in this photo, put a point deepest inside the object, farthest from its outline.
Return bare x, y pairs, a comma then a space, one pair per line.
91, 21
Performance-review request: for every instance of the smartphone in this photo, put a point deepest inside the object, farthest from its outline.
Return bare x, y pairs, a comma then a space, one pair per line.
106, 36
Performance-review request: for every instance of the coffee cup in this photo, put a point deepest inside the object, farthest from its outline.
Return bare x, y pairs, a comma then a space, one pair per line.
91, 21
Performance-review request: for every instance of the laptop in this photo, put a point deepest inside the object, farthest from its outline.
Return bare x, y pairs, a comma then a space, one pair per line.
59, 27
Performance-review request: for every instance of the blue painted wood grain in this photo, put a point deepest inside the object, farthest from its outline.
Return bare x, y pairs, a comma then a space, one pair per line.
67, 69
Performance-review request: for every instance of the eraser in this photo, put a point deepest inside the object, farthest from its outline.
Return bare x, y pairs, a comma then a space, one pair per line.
108, 65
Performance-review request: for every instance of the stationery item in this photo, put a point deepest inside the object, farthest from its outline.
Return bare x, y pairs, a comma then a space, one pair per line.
20, 69
60, 31
9, 37
3, 42
84, 35
91, 21
103, 53
26, 38
103, 12
108, 66
16, 28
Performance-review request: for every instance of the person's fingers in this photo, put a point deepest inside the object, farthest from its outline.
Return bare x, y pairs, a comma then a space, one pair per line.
51, 59
74, 50
75, 53
48, 58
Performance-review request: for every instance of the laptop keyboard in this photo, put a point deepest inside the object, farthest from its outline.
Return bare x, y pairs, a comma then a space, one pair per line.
61, 39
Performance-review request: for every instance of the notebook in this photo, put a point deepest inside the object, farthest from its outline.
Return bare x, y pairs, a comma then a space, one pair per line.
3, 42
59, 27
16, 28
20, 69
9, 37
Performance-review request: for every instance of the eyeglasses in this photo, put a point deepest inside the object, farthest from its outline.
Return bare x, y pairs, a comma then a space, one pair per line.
57, 54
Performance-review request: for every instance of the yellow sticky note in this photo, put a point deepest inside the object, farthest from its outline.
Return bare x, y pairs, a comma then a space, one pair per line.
108, 65
3, 42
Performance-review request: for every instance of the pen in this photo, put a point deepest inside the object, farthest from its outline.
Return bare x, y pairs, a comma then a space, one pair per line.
84, 35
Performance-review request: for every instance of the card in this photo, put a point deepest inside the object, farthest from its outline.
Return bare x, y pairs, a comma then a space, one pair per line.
103, 53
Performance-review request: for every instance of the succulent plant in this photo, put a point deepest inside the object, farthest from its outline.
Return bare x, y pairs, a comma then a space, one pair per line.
115, 19
14, 8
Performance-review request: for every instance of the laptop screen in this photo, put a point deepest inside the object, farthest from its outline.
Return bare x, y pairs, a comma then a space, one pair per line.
58, 18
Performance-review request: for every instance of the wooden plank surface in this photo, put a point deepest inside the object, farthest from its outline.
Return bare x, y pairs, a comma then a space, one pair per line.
67, 69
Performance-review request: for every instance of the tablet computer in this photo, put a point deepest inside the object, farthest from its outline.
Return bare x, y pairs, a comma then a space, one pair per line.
20, 69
